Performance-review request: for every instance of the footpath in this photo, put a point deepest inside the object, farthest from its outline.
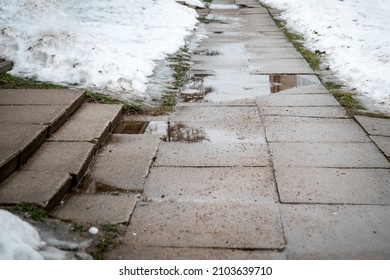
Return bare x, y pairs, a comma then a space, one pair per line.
259, 161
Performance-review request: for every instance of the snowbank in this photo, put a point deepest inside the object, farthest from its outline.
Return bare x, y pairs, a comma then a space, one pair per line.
107, 46
355, 35
21, 241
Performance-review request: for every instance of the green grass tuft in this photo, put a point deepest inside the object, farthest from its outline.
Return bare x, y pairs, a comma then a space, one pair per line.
133, 108
8, 81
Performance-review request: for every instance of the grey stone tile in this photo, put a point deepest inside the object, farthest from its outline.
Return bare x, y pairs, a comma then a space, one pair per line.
282, 66
40, 96
337, 232
291, 129
205, 154
375, 126
39, 114
91, 123
333, 185
327, 155
131, 146
71, 157
297, 100
125, 161
215, 114
52, 115
124, 252
127, 173
17, 143
383, 143
312, 112
238, 225
44, 189
96, 209
210, 185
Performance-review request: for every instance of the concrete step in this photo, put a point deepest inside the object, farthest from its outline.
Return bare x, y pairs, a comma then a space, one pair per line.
62, 160
27, 118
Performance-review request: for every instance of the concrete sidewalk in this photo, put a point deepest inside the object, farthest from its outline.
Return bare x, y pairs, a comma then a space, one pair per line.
259, 160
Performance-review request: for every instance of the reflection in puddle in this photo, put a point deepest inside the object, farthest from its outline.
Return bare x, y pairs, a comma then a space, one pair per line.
130, 127
177, 132
90, 186
280, 83
219, 134
228, 86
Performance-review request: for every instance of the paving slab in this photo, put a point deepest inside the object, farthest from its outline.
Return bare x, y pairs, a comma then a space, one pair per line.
125, 161
213, 132
91, 123
127, 173
342, 155
267, 43
205, 225
43, 97
292, 129
334, 185
282, 66
17, 143
257, 54
210, 185
97, 209
259, 28
54, 116
312, 112
383, 143
309, 89
337, 232
215, 114
281, 52
208, 155
131, 145
45, 189
375, 126
297, 100
124, 252
71, 157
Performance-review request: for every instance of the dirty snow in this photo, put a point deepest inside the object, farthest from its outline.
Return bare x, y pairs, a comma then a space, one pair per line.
102, 45
355, 35
195, 3
21, 241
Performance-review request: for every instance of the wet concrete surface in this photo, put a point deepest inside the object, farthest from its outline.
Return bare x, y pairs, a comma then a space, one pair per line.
165, 184
259, 163
256, 154
336, 231
206, 225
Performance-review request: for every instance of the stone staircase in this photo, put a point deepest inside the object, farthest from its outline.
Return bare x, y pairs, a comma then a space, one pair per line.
48, 139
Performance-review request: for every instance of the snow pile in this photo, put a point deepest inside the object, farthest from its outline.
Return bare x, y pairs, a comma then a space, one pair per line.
355, 35
21, 241
194, 3
103, 45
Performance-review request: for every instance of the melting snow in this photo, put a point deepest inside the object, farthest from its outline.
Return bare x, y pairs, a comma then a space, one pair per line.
355, 35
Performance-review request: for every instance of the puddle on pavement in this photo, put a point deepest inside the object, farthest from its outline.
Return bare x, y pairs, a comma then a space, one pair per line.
184, 133
90, 186
176, 132
280, 83
234, 85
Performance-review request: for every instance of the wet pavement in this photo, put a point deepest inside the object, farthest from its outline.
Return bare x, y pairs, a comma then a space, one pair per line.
259, 161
